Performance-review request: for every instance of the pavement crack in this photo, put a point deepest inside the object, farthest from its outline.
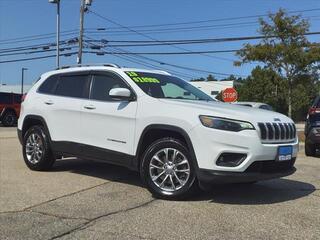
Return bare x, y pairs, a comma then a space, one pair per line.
12, 212
85, 225
58, 216
66, 195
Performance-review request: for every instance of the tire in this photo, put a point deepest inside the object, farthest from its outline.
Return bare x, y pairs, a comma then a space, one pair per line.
310, 149
174, 178
36, 149
9, 119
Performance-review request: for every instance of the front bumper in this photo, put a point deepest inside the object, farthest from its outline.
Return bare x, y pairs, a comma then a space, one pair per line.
209, 144
257, 171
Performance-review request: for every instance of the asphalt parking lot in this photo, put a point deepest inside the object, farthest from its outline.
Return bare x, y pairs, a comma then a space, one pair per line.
81, 199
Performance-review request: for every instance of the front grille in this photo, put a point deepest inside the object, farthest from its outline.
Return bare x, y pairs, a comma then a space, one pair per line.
270, 166
277, 132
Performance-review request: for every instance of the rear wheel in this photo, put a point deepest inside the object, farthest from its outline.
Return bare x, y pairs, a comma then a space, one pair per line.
310, 149
167, 169
9, 119
36, 149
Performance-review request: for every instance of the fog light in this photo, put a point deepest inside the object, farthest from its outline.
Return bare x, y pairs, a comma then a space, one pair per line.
231, 159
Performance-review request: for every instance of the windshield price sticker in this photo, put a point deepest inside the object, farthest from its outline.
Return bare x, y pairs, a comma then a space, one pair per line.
135, 77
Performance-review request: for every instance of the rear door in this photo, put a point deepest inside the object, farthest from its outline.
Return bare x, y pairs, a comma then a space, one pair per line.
106, 123
61, 106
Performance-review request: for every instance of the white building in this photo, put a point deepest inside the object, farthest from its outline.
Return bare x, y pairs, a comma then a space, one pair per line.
14, 88
212, 88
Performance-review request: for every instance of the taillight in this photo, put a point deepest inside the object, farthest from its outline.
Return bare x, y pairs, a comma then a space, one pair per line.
24, 96
314, 110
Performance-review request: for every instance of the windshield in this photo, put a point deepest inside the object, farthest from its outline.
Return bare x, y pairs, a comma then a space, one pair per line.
165, 86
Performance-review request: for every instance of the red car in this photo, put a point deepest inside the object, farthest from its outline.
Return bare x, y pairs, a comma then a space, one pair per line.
10, 104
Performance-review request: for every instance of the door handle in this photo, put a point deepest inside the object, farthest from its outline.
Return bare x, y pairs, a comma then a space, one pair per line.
89, 107
48, 102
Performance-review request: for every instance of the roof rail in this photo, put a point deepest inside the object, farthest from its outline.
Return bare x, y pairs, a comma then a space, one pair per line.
89, 65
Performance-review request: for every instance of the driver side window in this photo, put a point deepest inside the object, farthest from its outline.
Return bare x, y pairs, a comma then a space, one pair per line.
102, 84
174, 91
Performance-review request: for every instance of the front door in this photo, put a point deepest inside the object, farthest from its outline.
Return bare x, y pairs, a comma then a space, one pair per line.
107, 124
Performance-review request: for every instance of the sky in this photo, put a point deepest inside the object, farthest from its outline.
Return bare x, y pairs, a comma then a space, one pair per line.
24, 18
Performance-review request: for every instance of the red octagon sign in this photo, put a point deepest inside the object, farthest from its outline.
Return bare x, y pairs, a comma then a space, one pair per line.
229, 95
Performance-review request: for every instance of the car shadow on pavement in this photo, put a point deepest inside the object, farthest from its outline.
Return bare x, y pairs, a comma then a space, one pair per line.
265, 192
97, 169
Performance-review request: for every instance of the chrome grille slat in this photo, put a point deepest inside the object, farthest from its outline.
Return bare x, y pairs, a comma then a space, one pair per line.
274, 132
277, 131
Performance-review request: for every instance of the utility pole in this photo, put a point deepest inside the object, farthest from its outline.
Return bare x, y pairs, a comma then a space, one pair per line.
58, 31
22, 78
83, 9
58, 34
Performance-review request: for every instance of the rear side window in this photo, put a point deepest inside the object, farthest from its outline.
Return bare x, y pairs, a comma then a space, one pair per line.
49, 85
73, 86
102, 84
5, 98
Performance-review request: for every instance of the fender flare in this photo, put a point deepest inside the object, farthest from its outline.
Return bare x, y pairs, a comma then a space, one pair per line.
173, 128
38, 118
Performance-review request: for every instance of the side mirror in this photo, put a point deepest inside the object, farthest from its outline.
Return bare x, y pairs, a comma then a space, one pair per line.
120, 94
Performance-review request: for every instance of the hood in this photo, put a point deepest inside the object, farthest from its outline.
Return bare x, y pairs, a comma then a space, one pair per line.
226, 110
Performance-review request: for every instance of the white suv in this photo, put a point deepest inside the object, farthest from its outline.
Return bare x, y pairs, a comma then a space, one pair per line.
152, 122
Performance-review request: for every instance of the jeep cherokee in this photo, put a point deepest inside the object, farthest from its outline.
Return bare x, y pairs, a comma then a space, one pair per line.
175, 135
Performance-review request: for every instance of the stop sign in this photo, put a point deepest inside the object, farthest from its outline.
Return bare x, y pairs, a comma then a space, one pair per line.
229, 95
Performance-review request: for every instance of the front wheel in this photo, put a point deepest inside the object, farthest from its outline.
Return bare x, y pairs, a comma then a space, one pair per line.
167, 169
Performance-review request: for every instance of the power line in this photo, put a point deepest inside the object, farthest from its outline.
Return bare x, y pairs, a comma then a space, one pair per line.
51, 35
184, 67
38, 51
151, 38
137, 59
169, 64
38, 46
183, 29
141, 43
136, 43
176, 53
122, 51
213, 20
35, 58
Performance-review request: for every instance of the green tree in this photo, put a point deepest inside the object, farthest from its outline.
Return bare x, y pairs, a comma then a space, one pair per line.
211, 78
285, 50
197, 80
264, 85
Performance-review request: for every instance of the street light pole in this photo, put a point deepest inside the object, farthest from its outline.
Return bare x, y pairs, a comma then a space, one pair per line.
58, 31
22, 78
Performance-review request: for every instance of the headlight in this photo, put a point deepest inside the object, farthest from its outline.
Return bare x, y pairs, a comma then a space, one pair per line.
225, 124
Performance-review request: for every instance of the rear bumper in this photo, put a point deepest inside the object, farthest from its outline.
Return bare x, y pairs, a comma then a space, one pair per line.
257, 171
